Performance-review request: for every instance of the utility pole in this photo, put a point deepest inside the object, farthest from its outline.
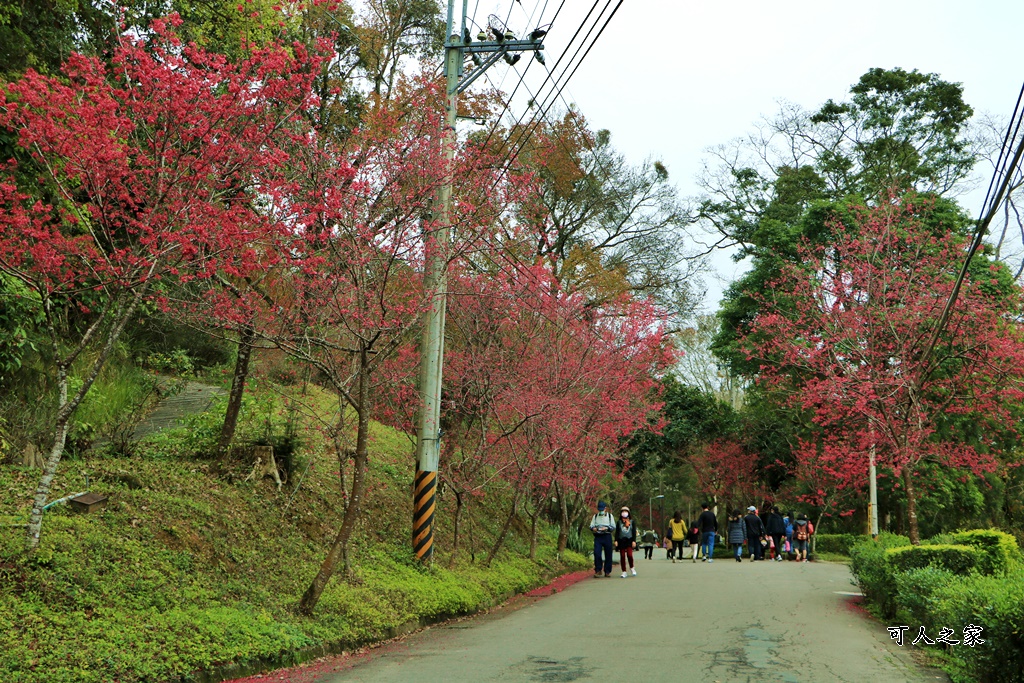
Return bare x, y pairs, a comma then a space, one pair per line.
435, 279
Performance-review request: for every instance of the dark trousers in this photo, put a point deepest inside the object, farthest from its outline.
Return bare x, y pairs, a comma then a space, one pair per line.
777, 538
603, 544
756, 548
648, 552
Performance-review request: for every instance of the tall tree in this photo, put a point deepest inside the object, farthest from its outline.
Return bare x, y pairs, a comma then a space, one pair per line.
151, 165
843, 336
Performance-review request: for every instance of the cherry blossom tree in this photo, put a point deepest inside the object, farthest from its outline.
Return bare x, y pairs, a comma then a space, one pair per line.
149, 171
842, 337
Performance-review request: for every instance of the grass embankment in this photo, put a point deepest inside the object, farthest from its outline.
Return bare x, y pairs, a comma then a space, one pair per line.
185, 571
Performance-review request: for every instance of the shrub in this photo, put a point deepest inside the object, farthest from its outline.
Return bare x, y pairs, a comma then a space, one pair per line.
874, 575
959, 559
916, 593
996, 603
836, 543
1001, 553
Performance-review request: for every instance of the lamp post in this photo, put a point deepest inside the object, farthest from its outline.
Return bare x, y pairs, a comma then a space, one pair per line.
650, 515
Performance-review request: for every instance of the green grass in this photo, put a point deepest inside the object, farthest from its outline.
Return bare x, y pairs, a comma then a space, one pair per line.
198, 568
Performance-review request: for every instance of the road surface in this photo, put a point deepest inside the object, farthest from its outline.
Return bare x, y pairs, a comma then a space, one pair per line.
749, 622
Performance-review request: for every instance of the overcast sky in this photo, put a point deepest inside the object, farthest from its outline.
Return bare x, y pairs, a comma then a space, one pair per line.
670, 78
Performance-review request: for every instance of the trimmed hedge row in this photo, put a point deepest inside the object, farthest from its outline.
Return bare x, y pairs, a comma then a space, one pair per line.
836, 543
952, 581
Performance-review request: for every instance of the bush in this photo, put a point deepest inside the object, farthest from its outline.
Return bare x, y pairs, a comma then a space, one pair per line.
996, 603
870, 566
836, 543
916, 593
959, 559
1001, 553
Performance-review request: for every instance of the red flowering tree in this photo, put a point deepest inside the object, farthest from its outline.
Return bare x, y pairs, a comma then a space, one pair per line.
843, 338
149, 171
726, 471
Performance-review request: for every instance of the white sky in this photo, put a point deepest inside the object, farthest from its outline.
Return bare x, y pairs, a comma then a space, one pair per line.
670, 78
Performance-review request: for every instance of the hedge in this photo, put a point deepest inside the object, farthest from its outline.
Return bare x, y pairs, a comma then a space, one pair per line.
836, 543
953, 581
959, 559
1001, 554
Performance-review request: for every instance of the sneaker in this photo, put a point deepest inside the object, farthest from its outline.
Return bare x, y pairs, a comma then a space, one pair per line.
710, 560
624, 574
607, 574
739, 559
597, 575
633, 571
704, 559
673, 560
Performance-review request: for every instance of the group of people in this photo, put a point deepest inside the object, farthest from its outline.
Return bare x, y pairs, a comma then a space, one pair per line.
773, 532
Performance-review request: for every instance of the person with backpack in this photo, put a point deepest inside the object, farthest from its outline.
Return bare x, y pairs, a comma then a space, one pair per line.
625, 540
737, 533
776, 528
789, 519
708, 525
649, 539
755, 532
602, 524
802, 532
677, 534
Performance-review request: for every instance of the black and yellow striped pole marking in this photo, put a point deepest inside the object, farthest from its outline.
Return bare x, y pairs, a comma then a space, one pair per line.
424, 501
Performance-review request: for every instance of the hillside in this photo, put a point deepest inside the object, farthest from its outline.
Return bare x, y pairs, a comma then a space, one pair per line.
190, 566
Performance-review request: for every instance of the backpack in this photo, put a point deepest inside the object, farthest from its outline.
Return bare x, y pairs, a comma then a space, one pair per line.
802, 532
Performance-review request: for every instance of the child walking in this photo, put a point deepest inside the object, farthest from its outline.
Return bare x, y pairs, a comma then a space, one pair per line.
625, 537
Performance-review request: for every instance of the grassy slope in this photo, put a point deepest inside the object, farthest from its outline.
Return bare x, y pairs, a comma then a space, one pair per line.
191, 571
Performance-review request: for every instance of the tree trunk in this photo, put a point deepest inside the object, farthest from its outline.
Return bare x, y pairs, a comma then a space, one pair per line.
533, 534
227, 432
458, 521
504, 531
912, 528
563, 522
339, 549
35, 522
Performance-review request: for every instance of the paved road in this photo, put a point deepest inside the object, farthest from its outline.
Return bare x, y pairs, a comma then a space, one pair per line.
755, 622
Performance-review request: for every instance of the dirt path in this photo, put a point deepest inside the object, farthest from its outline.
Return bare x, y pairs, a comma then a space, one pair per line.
761, 622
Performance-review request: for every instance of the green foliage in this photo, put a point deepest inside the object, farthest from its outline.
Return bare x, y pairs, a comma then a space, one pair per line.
959, 559
997, 605
916, 590
870, 566
1000, 552
836, 543
177, 362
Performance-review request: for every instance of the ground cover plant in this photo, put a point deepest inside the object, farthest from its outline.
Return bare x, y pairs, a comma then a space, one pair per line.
190, 566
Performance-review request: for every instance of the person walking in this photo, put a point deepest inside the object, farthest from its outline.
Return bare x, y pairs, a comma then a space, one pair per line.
776, 528
602, 524
708, 525
737, 533
802, 531
625, 538
650, 539
755, 532
677, 534
789, 519
693, 538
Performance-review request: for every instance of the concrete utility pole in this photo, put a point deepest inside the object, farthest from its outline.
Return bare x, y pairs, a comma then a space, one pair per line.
428, 435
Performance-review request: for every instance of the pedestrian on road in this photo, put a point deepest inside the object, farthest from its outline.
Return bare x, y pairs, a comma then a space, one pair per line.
625, 537
802, 531
677, 534
789, 519
755, 532
776, 528
602, 525
693, 538
650, 539
708, 525
737, 533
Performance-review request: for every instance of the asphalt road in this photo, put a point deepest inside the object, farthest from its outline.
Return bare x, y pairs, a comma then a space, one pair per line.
752, 622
